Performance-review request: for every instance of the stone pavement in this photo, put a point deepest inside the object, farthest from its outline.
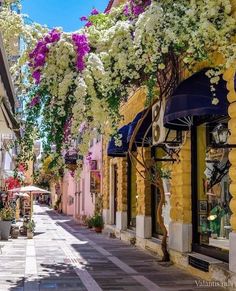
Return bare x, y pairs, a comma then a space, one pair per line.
64, 256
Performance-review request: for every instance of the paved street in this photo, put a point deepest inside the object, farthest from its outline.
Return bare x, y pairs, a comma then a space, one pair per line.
64, 256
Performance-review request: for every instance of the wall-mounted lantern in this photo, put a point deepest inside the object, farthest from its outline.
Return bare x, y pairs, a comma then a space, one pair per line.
220, 134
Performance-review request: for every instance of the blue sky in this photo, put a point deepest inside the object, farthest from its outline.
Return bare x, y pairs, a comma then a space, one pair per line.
64, 13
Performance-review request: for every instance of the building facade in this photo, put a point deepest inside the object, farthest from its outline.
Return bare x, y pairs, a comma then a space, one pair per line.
9, 128
81, 198
89, 186
199, 211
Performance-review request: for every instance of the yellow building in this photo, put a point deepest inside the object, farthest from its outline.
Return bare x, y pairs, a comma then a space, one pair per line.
200, 209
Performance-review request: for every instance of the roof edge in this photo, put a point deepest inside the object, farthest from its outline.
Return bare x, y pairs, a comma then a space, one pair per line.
6, 77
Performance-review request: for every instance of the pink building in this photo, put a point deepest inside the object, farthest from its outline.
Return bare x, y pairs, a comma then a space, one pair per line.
89, 186
68, 193
81, 197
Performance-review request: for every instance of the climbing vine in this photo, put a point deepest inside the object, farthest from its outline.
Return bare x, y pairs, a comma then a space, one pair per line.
79, 80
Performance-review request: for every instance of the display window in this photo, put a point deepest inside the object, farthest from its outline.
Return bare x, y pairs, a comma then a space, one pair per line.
212, 186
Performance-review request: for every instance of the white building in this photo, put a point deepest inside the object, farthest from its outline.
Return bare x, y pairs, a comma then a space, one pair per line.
9, 128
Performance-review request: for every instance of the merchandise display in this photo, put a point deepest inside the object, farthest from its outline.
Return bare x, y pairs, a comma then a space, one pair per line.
213, 210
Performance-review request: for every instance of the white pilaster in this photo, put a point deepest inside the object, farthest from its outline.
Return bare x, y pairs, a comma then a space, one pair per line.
106, 216
121, 220
143, 226
180, 237
232, 252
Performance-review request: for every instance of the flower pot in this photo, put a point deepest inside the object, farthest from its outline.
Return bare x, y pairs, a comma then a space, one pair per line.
30, 234
15, 232
98, 229
5, 227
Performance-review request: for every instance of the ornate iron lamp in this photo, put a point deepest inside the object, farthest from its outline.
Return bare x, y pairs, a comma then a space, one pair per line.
220, 134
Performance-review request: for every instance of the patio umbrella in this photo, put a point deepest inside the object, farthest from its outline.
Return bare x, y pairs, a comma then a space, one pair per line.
30, 189
21, 194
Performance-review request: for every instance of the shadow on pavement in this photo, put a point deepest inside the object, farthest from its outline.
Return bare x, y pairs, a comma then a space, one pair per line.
56, 216
59, 276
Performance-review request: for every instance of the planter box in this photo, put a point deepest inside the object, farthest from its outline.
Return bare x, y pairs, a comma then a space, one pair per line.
5, 227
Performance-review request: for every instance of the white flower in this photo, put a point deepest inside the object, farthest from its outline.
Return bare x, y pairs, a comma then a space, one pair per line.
215, 101
161, 66
215, 80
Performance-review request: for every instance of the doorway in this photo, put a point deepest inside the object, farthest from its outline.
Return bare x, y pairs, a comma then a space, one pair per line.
155, 198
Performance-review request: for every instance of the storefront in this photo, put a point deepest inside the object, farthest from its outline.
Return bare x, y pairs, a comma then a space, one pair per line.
117, 169
130, 194
190, 109
210, 191
139, 137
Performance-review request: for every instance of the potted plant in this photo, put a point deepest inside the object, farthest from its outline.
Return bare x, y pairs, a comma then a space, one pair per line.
30, 229
89, 222
84, 219
7, 214
98, 223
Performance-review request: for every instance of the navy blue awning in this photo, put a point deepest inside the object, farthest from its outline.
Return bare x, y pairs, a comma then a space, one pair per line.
142, 130
119, 151
191, 103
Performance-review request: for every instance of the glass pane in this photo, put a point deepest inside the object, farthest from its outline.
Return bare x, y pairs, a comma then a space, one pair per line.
213, 193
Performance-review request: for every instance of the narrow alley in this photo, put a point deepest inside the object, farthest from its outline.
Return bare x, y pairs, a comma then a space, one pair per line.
65, 256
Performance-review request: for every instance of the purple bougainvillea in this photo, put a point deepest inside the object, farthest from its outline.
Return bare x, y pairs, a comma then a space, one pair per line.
39, 54
83, 18
82, 48
94, 12
88, 24
67, 130
36, 75
35, 101
135, 7
126, 10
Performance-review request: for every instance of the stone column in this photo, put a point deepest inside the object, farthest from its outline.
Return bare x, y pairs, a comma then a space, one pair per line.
143, 218
180, 231
121, 214
229, 76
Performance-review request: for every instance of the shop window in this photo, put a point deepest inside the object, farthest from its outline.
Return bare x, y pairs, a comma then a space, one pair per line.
213, 211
